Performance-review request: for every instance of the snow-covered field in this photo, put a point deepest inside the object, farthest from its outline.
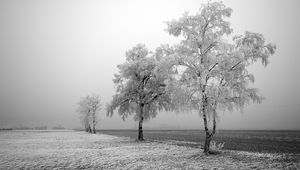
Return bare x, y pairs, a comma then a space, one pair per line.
80, 150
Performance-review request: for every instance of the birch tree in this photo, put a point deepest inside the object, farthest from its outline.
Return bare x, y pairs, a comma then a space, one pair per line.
94, 103
84, 113
88, 107
140, 87
214, 73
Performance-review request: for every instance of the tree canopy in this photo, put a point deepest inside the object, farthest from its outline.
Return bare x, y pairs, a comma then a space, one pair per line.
140, 84
214, 73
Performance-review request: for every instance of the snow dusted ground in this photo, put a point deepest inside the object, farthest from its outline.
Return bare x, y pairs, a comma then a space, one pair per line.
80, 150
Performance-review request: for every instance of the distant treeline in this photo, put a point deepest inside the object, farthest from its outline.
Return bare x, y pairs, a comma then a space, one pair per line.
5, 128
22, 127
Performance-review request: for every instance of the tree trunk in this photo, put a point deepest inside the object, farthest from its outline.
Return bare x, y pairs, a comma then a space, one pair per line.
207, 135
89, 129
208, 138
86, 125
94, 122
94, 128
140, 136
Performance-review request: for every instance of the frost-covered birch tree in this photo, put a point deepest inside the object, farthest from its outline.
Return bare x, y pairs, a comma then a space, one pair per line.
212, 68
88, 108
84, 113
94, 103
141, 88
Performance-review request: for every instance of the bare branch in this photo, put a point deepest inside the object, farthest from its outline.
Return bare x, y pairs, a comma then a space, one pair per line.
213, 67
235, 65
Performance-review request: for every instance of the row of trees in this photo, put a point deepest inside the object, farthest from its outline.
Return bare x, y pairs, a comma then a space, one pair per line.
206, 72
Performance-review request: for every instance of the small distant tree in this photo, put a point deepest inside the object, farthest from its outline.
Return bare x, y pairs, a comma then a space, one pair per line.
88, 107
213, 70
95, 107
141, 87
84, 112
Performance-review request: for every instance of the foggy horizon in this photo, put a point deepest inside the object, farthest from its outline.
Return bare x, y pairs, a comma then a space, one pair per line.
52, 53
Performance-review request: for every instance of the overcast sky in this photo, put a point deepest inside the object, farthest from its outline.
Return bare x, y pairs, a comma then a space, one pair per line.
52, 52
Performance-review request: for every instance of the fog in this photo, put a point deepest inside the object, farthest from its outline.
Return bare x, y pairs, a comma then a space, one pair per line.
54, 52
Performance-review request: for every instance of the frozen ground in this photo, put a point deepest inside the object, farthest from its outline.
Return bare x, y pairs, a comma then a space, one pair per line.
80, 150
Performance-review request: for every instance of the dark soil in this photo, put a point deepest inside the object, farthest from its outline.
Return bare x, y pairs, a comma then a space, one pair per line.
244, 140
